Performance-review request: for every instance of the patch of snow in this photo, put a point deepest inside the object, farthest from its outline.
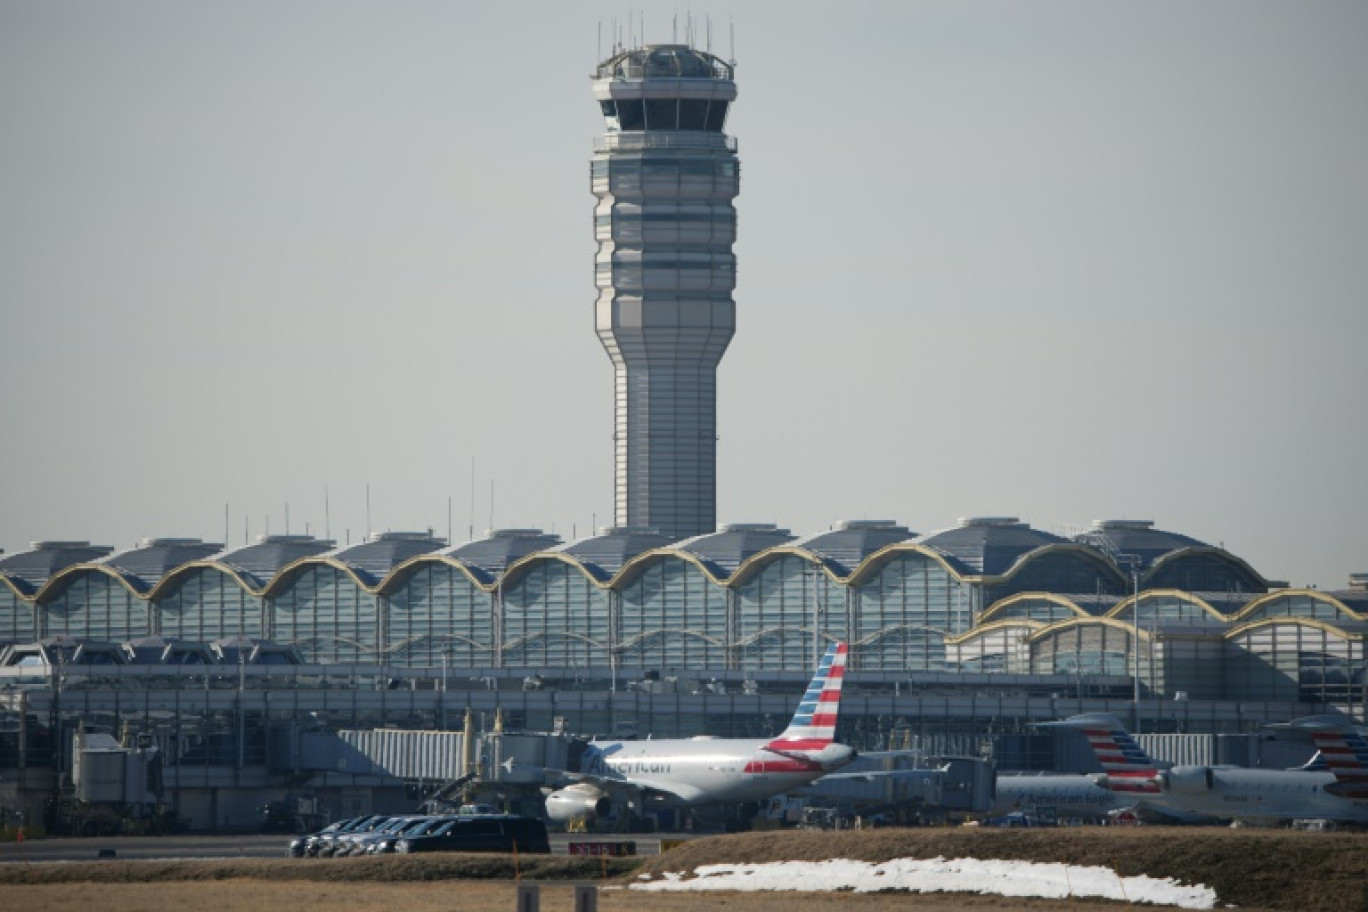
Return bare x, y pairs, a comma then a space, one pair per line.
937, 875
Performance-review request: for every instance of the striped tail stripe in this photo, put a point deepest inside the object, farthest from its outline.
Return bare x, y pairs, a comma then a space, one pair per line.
1345, 754
814, 723
1128, 767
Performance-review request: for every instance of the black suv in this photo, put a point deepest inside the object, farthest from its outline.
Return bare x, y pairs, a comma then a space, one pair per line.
482, 833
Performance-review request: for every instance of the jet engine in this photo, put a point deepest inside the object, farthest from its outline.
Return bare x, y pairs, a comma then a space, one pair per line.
580, 801
1188, 780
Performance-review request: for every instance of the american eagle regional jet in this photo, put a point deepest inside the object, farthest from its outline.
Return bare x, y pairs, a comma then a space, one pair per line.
1257, 796
691, 772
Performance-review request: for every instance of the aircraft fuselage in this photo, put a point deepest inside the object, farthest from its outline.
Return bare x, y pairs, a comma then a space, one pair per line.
711, 769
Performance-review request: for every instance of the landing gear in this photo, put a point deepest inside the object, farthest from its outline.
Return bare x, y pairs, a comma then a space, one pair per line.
743, 819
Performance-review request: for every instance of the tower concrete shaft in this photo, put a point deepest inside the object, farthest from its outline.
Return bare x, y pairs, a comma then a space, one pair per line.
665, 176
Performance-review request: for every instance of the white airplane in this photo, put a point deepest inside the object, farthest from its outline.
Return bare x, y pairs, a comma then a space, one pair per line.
1256, 796
693, 772
1068, 795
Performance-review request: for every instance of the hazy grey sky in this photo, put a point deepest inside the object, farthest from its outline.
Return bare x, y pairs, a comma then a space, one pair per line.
1063, 261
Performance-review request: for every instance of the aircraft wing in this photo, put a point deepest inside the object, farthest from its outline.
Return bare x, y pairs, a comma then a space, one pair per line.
559, 779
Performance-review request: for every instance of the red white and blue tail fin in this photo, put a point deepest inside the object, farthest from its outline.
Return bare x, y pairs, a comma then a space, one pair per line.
1126, 765
813, 726
1343, 750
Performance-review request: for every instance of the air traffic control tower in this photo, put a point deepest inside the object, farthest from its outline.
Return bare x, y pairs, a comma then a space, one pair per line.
665, 176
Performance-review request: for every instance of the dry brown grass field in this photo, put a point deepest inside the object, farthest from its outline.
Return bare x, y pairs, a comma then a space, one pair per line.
1250, 869
468, 896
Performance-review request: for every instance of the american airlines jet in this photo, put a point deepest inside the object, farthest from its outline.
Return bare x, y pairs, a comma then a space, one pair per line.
691, 772
1068, 795
1257, 796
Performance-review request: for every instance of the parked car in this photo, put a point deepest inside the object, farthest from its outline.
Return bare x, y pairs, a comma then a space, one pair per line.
482, 833
354, 843
383, 840
330, 843
307, 846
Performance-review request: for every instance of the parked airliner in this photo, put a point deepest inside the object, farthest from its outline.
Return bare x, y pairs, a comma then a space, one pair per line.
692, 772
1068, 795
1256, 796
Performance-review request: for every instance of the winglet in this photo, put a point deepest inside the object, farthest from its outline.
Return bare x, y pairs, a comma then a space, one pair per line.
813, 726
1128, 767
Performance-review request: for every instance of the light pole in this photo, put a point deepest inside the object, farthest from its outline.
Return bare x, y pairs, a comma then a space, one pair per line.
441, 722
1132, 562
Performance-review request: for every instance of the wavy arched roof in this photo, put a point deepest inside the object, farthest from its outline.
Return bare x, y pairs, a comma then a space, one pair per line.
21, 589
1239, 565
606, 554
36, 566
1061, 626
63, 579
847, 544
259, 563
1315, 623
1260, 605
988, 545
523, 565
1026, 624
286, 577
401, 574
725, 550
1128, 603
168, 583
757, 562
154, 558
1137, 537
1086, 553
885, 555
502, 547
379, 554
642, 562
999, 610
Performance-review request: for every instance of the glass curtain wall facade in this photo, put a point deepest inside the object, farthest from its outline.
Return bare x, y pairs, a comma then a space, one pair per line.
438, 615
1086, 647
208, 604
554, 615
904, 611
1065, 571
18, 619
97, 605
672, 617
1290, 659
787, 611
327, 616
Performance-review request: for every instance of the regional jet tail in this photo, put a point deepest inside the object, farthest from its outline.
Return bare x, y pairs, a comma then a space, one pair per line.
1126, 766
1127, 770
1257, 796
1342, 750
689, 772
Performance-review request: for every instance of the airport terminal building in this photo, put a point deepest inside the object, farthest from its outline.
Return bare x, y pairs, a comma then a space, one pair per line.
232, 661
992, 597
